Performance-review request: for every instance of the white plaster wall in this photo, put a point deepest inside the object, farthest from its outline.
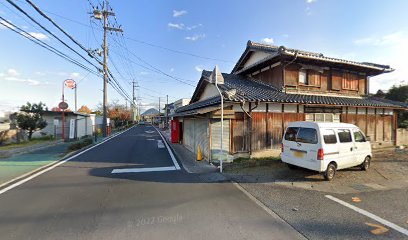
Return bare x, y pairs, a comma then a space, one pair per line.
371, 111
261, 107
275, 107
209, 92
290, 108
255, 57
361, 111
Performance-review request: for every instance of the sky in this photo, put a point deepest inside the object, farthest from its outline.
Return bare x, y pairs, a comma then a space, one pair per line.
166, 44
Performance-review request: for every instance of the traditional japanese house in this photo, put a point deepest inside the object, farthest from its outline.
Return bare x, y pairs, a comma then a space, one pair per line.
271, 86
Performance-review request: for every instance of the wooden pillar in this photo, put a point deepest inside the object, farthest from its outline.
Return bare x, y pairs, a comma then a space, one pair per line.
395, 115
383, 124
266, 125
375, 125
283, 119
250, 129
366, 113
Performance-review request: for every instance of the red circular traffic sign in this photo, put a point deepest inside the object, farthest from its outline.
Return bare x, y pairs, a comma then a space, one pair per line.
70, 83
63, 105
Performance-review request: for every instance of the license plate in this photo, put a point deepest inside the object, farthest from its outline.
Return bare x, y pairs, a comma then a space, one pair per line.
298, 154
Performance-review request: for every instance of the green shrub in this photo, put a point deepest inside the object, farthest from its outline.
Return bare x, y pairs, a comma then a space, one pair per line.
80, 144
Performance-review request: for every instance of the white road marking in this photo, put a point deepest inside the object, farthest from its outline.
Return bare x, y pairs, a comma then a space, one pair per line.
57, 164
264, 207
139, 170
160, 144
149, 131
150, 139
169, 150
370, 215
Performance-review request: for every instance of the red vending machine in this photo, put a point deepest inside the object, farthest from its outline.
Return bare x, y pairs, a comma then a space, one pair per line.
175, 131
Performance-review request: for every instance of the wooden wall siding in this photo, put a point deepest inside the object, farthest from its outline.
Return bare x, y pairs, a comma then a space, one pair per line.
371, 126
239, 136
272, 76
291, 75
379, 136
275, 131
350, 81
379, 128
258, 131
388, 128
267, 130
313, 78
362, 85
336, 80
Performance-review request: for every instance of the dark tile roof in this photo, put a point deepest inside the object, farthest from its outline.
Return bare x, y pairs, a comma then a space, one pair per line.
204, 103
282, 50
237, 88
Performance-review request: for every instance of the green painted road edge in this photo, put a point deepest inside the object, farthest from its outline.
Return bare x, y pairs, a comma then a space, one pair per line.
67, 155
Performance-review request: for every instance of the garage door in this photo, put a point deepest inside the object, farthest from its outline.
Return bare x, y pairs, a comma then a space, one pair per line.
188, 134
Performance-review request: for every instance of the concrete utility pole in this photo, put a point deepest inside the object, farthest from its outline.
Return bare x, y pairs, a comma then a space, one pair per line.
167, 111
105, 14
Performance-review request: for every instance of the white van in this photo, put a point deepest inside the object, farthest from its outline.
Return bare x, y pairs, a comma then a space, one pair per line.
325, 147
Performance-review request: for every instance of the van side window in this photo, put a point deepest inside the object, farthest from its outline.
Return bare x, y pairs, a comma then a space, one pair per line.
344, 135
358, 136
329, 137
307, 135
291, 133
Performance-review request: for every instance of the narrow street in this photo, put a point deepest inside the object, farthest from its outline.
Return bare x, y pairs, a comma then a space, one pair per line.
83, 199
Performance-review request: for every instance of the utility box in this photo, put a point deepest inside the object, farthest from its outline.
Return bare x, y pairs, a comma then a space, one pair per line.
175, 131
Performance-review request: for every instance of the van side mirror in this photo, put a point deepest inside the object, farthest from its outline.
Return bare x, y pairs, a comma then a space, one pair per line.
368, 138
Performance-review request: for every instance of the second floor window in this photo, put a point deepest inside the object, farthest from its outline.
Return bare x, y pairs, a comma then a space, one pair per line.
303, 77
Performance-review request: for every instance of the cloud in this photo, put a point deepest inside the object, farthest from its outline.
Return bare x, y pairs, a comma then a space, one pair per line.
29, 81
39, 36
195, 37
171, 69
310, 1
267, 40
194, 26
74, 75
12, 72
144, 73
2, 23
179, 13
389, 39
198, 68
179, 26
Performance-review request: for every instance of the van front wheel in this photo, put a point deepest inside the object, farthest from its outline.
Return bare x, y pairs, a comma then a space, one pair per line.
366, 164
330, 172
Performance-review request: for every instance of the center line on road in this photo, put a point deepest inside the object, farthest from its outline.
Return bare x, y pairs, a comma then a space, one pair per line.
138, 170
370, 215
160, 144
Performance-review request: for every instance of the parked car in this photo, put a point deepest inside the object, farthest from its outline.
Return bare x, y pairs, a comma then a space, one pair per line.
325, 147
142, 123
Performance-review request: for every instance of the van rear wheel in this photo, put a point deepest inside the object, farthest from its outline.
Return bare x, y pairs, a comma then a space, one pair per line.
330, 172
366, 164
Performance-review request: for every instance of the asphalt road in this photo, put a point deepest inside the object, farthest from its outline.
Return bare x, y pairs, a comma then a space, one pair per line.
318, 217
82, 199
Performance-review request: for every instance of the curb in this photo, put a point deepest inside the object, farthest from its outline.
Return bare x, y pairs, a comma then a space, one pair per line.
177, 156
10, 153
66, 156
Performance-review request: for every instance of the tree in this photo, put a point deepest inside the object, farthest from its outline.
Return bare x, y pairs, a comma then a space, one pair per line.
30, 118
84, 109
400, 94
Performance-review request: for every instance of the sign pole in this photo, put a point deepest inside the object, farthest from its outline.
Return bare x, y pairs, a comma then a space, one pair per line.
63, 113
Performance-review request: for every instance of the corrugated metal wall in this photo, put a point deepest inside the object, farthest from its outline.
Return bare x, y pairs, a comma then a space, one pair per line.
195, 133
216, 139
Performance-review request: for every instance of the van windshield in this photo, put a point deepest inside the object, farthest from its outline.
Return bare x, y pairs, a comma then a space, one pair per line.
303, 135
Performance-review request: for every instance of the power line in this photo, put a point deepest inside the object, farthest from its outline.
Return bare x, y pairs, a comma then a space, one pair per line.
48, 31
147, 43
44, 45
62, 30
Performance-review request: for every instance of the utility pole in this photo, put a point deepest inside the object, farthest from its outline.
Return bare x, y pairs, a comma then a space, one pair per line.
167, 111
105, 14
